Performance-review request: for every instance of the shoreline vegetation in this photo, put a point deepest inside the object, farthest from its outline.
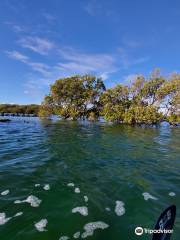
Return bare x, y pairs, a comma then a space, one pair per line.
145, 100
19, 110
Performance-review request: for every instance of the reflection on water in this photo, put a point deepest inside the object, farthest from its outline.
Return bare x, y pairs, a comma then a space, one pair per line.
108, 163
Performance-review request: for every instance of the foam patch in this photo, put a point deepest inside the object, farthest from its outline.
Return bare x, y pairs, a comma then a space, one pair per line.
3, 218
119, 208
46, 187
40, 226
37, 185
18, 214
86, 199
82, 210
172, 194
77, 190
91, 227
76, 235
107, 209
33, 200
6, 192
70, 185
64, 238
148, 196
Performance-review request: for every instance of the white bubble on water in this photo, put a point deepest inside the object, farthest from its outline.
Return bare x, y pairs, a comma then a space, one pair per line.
70, 184
172, 194
46, 187
6, 192
107, 209
40, 226
3, 218
76, 235
82, 210
18, 214
91, 227
86, 199
33, 200
119, 208
148, 196
37, 185
77, 190
64, 238
18, 201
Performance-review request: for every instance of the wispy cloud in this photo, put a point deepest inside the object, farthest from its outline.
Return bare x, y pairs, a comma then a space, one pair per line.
127, 60
17, 55
70, 61
49, 17
36, 66
97, 8
37, 44
77, 62
15, 27
92, 7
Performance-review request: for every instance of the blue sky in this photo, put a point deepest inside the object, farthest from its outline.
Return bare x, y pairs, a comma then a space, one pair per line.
43, 40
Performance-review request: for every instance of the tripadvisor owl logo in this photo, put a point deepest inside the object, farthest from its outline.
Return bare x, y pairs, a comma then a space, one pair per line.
139, 231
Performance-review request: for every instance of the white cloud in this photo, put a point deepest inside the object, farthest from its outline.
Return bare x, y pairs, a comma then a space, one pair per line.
36, 44
36, 66
76, 62
15, 27
17, 55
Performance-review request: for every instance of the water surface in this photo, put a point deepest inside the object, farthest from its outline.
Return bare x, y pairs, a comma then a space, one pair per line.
107, 162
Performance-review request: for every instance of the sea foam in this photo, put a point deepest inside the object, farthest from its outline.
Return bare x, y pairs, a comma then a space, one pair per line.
33, 200
6, 192
76, 235
91, 227
3, 218
148, 196
77, 190
40, 226
82, 210
119, 208
64, 238
46, 187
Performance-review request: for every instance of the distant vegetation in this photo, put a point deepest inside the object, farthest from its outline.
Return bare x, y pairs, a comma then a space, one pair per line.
144, 101
19, 109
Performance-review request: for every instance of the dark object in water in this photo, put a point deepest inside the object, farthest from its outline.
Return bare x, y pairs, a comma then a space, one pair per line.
165, 223
5, 120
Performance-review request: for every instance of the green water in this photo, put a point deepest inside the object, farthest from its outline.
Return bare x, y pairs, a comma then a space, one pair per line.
106, 162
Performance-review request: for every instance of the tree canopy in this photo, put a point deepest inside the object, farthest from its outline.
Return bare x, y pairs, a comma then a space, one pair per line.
74, 97
148, 100
19, 109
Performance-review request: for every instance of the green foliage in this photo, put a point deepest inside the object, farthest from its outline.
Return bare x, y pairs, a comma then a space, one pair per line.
145, 101
19, 109
75, 97
142, 115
